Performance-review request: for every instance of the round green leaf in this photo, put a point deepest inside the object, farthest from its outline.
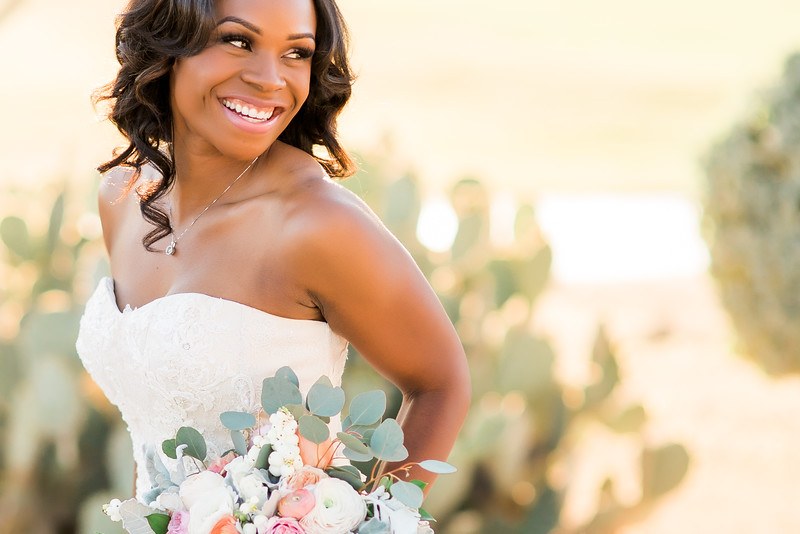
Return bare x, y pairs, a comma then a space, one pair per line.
407, 493
168, 446
262, 462
387, 442
158, 522
353, 442
237, 420
348, 473
325, 400
239, 444
357, 456
277, 392
367, 408
287, 373
313, 429
435, 466
195, 444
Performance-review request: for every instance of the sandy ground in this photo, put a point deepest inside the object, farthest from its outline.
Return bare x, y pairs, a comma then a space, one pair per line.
677, 355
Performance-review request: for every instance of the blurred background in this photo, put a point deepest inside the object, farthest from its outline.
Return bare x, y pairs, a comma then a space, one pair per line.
604, 195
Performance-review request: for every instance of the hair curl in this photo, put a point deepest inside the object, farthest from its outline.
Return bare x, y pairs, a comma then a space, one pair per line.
152, 34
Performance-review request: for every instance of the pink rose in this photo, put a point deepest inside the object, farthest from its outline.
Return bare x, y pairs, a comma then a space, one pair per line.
282, 525
220, 463
296, 504
306, 476
178, 523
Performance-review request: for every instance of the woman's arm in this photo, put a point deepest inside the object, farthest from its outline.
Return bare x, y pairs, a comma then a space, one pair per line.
370, 291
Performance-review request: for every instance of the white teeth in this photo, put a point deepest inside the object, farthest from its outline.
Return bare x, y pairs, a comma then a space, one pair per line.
249, 112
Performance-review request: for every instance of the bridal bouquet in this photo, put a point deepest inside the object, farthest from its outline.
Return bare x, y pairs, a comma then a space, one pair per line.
286, 475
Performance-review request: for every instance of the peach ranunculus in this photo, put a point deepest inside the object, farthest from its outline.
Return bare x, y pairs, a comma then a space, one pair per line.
281, 525
226, 525
297, 504
319, 456
220, 463
306, 476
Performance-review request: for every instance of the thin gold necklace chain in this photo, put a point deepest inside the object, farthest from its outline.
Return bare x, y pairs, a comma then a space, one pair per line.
173, 245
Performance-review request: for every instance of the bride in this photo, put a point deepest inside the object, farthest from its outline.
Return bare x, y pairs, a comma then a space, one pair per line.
233, 252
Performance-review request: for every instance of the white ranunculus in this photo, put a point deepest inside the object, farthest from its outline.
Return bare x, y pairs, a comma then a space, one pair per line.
338, 508
196, 486
209, 508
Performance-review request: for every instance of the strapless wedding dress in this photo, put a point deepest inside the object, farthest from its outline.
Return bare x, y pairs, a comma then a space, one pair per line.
183, 359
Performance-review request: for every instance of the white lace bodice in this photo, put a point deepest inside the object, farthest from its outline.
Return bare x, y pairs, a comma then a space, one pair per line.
183, 359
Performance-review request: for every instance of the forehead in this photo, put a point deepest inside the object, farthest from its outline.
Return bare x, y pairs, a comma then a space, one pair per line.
271, 16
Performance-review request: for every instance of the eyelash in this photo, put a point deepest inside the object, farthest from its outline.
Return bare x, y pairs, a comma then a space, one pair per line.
302, 53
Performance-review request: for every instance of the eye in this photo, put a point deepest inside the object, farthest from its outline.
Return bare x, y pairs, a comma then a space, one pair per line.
236, 40
300, 53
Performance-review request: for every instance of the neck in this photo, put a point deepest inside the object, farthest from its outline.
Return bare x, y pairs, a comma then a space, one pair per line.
201, 180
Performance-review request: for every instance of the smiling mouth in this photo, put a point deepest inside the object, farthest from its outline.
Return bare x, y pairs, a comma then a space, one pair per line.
249, 112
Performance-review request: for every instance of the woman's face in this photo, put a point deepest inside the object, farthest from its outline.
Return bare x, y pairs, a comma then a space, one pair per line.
236, 96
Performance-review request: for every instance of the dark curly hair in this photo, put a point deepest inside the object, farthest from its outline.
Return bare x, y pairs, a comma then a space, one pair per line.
151, 35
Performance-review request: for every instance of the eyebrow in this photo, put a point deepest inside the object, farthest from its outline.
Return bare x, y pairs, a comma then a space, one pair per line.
257, 31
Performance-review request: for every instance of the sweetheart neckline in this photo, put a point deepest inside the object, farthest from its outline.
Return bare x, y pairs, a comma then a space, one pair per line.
108, 283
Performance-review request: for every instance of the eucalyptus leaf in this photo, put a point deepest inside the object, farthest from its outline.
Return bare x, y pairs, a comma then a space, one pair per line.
374, 526
239, 443
420, 484
352, 442
435, 466
297, 410
195, 444
325, 400
277, 392
158, 522
313, 429
357, 456
287, 373
348, 473
407, 493
367, 408
262, 462
14, 233
237, 420
168, 446
386, 442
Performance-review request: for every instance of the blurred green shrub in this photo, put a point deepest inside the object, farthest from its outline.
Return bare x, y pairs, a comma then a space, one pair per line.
752, 224
56, 429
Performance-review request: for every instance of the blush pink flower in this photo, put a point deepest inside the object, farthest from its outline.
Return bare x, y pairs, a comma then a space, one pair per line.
178, 523
219, 464
306, 476
282, 525
319, 456
297, 504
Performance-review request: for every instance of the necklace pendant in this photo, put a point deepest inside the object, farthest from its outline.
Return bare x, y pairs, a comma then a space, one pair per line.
171, 248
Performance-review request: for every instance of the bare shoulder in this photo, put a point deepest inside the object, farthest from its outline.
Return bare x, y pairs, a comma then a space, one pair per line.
116, 196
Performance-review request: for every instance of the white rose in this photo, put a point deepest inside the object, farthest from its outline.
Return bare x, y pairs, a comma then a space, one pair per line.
338, 508
209, 508
196, 486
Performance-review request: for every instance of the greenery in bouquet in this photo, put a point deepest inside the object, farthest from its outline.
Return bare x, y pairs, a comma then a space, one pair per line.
286, 475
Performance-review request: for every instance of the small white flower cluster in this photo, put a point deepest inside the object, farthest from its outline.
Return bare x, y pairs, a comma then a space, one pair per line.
111, 509
285, 457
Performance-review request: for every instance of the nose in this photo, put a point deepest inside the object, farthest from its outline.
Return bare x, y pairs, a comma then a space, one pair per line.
264, 72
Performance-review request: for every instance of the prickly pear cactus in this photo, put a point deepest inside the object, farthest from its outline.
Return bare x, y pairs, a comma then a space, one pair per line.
752, 224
